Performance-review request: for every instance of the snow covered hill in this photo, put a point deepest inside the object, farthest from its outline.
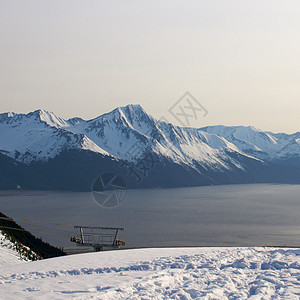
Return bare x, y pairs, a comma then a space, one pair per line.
174, 273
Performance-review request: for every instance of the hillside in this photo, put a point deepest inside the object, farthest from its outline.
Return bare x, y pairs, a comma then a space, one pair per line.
23, 243
12, 253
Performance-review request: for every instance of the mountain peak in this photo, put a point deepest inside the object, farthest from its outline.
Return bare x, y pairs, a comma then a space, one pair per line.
136, 116
131, 109
39, 113
48, 117
133, 106
75, 120
130, 114
7, 115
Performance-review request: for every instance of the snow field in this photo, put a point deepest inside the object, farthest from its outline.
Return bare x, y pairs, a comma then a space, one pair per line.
164, 273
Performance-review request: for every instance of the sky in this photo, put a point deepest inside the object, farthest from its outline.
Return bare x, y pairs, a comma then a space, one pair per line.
239, 59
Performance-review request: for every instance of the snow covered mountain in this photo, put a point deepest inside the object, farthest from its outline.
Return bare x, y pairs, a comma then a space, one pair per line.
38, 135
264, 145
128, 133
125, 133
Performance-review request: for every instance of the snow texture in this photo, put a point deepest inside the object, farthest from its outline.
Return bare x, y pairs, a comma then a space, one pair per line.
166, 273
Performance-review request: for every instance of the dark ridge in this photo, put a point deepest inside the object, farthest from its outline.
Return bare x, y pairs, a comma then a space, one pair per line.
76, 170
42, 249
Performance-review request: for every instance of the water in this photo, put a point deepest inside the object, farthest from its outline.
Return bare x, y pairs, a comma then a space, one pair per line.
232, 215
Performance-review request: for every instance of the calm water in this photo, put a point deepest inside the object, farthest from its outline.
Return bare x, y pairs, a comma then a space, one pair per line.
232, 215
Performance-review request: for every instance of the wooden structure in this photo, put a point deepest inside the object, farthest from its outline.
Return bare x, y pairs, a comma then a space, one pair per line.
98, 237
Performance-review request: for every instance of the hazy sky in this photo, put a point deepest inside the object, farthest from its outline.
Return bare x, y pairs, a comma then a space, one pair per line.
240, 59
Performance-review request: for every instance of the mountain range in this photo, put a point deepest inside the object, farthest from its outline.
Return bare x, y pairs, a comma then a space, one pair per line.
40, 150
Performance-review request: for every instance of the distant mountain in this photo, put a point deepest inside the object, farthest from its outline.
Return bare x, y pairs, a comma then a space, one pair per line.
42, 150
264, 145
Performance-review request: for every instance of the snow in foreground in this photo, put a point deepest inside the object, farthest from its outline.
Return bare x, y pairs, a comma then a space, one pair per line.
178, 273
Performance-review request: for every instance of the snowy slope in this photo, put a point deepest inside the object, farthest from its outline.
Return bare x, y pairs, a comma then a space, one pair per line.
8, 252
265, 145
38, 136
175, 273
